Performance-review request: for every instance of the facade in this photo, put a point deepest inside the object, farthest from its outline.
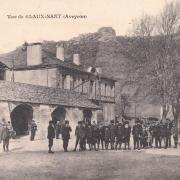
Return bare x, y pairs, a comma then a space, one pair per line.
36, 84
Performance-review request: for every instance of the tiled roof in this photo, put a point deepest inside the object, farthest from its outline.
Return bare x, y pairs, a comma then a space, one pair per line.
17, 59
19, 92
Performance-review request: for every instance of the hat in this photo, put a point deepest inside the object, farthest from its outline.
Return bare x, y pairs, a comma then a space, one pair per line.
112, 121
126, 122
66, 122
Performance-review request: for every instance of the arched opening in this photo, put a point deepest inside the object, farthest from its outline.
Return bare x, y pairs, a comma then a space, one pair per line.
2, 71
87, 115
59, 114
21, 117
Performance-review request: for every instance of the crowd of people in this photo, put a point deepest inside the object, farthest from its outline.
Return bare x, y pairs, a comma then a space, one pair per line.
92, 136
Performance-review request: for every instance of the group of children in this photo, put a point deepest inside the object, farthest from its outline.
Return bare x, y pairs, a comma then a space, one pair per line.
98, 135
92, 136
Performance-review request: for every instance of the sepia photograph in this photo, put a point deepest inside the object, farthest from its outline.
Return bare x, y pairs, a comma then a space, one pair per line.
90, 90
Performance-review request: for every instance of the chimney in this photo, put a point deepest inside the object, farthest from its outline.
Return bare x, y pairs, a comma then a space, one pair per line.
34, 54
76, 59
60, 52
99, 70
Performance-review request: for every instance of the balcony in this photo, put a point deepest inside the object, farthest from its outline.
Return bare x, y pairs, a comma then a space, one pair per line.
101, 98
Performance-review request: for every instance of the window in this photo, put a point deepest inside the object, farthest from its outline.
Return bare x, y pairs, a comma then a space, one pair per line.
83, 86
112, 91
91, 87
2, 74
106, 90
71, 83
63, 81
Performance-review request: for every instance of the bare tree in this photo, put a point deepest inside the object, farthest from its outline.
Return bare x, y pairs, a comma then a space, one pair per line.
155, 47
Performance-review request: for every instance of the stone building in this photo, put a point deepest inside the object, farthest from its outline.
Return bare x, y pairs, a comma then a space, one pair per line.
36, 84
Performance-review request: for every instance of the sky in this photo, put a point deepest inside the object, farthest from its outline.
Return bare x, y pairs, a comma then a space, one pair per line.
100, 13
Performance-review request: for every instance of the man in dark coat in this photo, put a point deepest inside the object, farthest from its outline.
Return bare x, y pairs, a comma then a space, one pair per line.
33, 130
112, 134
106, 137
77, 134
101, 136
82, 137
89, 136
95, 134
119, 136
66, 129
127, 134
157, 135
174, 131
168, 135
144, 138
162, 128
137, 133
50, 136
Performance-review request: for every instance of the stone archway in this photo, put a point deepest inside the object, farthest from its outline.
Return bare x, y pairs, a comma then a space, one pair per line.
59, 114
87, 115
21, 117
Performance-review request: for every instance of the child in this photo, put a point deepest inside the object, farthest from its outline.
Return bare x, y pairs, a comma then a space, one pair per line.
50, 136
106, 137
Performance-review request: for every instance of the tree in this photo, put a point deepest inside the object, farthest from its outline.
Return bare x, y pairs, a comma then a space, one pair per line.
155, 47
124, 104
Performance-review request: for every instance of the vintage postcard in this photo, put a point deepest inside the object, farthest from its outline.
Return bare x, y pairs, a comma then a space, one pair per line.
89, 89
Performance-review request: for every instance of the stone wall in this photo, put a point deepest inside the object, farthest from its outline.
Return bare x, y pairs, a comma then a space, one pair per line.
108, 112
5, 111
42, 116
41, 77
74, 115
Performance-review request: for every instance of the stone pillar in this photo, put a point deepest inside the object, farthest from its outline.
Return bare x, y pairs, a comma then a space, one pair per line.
36, 119
44, 117
5, 111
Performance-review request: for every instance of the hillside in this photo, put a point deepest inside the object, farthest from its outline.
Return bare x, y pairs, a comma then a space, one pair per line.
109, 51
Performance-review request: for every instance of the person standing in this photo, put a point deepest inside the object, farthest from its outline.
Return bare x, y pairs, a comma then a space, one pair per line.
50, 136
174, 131
162, 128
149, 139
106, 137
66, 129
137, 134
119, 136
168, 135
127, 134
101, 137
89, 136
83, 136
157, 135
77, 134
6, 135
95, 135
33, 130
144, 138
151, 130
112, 134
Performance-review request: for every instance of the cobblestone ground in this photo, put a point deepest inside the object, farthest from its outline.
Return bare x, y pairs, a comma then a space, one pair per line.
30, 160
